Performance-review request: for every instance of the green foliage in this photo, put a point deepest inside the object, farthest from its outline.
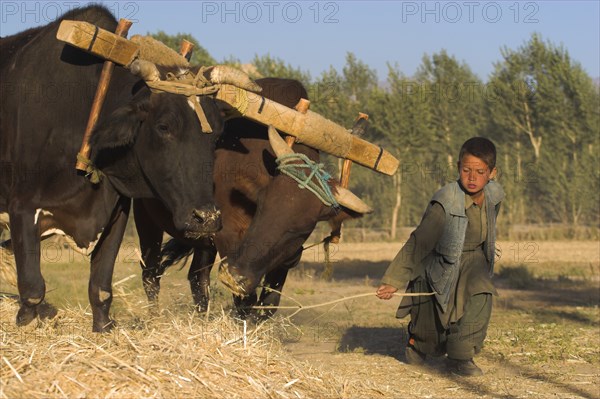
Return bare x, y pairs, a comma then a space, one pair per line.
199, 55
267, 66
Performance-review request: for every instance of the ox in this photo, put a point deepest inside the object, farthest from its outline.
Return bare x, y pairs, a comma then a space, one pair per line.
147, 145
266, 217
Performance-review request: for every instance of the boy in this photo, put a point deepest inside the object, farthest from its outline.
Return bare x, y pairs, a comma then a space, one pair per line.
451, 253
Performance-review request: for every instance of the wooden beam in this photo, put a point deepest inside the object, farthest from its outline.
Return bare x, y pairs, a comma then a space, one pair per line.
101, 90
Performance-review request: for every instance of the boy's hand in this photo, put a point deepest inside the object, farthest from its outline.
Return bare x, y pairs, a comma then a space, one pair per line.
385, 291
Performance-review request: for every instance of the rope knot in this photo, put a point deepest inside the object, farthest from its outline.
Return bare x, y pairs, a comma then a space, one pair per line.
316, 181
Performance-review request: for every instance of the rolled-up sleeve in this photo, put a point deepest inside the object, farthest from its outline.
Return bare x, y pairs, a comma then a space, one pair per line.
407, 265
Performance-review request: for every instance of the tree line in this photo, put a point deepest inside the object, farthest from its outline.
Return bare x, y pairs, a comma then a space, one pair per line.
540, 108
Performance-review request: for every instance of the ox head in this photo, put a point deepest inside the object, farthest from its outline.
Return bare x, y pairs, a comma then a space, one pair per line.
154, 147
286, 215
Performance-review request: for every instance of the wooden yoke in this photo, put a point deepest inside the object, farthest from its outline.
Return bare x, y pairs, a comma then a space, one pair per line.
358, 130
186, 48
107, 70
310, 128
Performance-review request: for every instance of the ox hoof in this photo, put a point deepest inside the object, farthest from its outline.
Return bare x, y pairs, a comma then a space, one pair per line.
46, 310
264, 314
25, 315
102, 327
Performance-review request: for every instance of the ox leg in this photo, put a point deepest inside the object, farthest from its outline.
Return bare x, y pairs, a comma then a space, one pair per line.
151, 237
273, 285
270, 294
243, 305
26, 246
199, 275
103, 263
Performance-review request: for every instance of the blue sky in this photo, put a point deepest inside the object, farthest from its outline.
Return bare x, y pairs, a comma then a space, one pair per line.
316, 35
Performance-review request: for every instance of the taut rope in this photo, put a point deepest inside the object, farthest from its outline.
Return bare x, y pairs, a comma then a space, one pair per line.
301, 307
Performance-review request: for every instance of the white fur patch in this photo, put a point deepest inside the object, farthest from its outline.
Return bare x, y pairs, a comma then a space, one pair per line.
69, 240
37, 214
50, 232
8, 268
34, 301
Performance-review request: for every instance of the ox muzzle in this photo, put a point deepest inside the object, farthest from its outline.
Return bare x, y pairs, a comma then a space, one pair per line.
238, 283
203, 222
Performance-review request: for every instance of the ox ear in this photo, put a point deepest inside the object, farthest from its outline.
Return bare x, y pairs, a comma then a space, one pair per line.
120, 128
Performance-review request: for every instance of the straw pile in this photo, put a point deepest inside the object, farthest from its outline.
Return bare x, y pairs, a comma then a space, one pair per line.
166, 355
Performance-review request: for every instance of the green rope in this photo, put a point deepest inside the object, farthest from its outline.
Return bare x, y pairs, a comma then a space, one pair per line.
315, 181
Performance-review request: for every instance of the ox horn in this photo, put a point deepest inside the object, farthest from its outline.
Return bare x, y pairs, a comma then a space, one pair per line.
343, 196
278, 144
229, 75
145, 70
348, 199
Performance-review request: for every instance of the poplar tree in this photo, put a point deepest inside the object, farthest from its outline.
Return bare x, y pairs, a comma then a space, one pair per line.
545, 107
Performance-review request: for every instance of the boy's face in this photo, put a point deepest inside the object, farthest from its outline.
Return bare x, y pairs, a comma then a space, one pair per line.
474, 173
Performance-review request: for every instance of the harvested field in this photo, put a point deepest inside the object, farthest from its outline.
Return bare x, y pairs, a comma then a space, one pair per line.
543, 339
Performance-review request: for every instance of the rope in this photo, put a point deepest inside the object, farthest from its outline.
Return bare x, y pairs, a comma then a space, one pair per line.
318, 186
182, 87
94, 174
191, 86
301, 307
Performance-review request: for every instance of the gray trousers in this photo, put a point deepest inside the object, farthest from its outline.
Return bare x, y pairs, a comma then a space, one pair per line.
460, 340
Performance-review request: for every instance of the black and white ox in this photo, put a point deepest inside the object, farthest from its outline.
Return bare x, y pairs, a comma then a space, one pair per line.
266, 216
146, 144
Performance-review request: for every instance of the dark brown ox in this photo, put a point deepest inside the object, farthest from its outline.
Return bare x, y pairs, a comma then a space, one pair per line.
147, 145
266, 216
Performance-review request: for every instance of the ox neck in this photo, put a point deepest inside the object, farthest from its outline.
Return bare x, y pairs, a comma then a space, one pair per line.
126, 176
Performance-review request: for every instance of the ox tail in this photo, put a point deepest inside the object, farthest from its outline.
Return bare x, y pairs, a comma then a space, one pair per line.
173, 251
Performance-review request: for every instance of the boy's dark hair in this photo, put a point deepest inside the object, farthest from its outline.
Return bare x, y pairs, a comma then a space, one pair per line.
480, 147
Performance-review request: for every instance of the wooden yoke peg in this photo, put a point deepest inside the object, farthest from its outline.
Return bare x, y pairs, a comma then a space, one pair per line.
360, 125
186, 48
302, 107
357, 130
107, 70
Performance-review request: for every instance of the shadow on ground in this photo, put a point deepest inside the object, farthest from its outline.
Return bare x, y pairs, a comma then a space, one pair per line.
387, 341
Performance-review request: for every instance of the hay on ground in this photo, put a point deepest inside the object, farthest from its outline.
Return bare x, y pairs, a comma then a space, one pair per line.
167, 355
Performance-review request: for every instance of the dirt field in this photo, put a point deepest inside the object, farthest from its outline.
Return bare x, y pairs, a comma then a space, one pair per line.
543, 341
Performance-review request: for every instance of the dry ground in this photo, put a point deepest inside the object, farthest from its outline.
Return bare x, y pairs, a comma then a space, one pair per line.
543, 339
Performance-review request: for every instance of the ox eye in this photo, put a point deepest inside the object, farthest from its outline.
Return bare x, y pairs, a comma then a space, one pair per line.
162, 128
